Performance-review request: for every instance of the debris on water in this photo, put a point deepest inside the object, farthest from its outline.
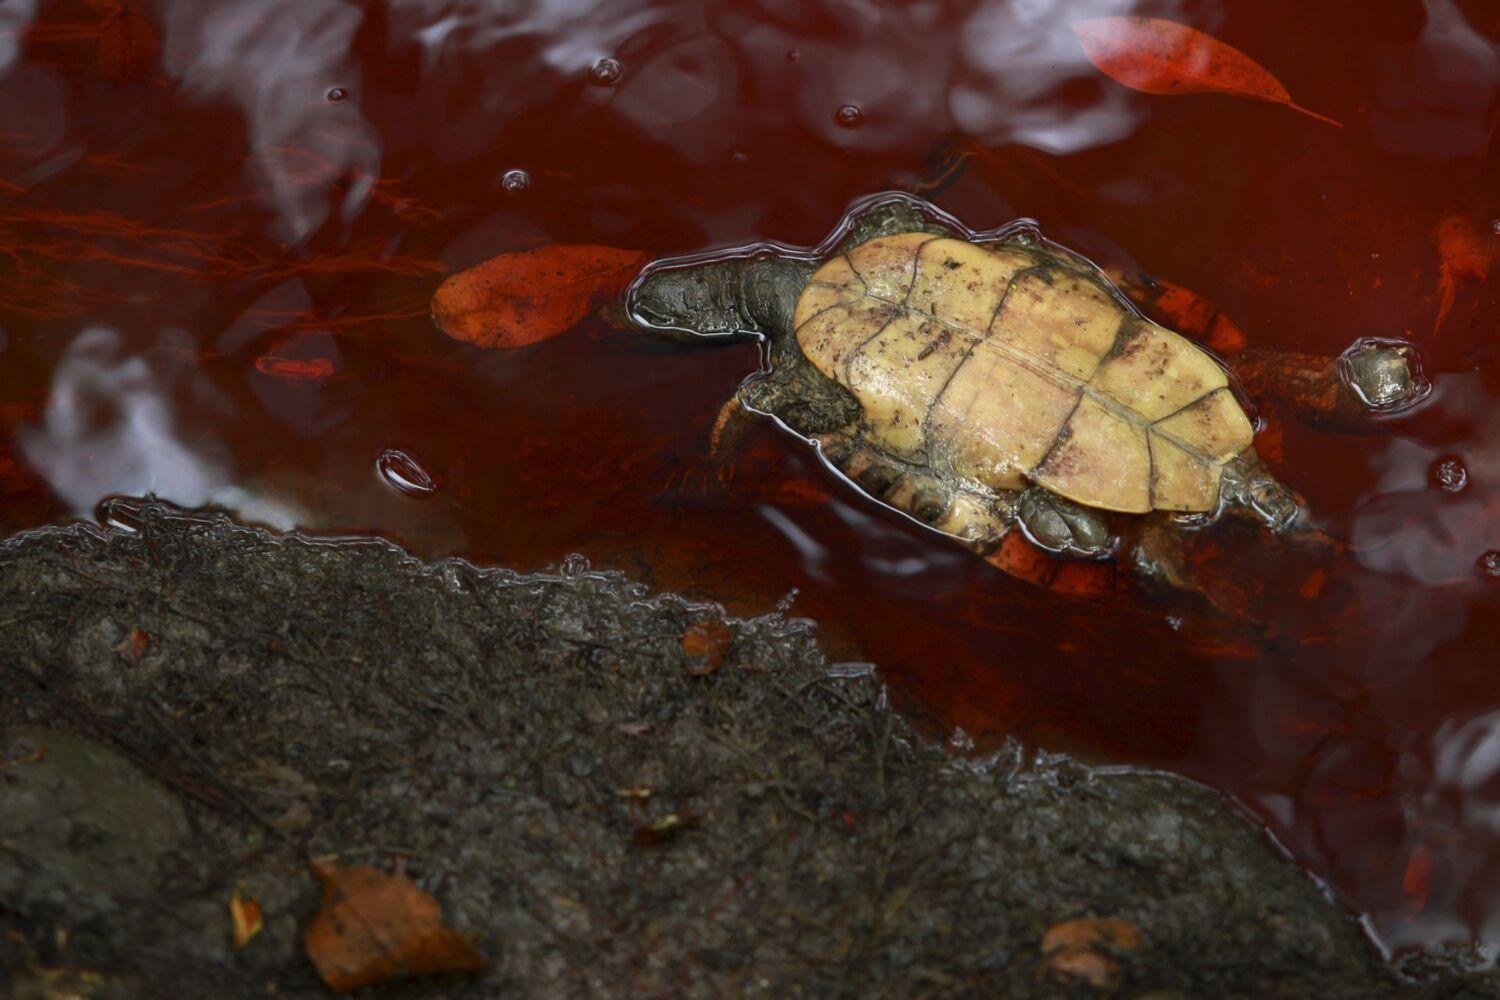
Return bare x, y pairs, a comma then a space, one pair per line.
1489, 564
515, 181
404, 473
1450, 475
606, 72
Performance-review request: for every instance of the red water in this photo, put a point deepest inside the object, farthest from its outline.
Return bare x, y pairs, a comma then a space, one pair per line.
220, 225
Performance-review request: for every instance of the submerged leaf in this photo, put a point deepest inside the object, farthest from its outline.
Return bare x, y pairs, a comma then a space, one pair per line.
521, 298
1465, 254
375, 926
128, 46
1163, 57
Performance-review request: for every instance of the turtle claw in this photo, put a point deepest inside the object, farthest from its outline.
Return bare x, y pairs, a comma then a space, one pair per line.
1382, 374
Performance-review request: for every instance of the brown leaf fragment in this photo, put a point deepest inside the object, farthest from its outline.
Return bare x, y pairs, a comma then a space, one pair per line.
245, 916
1084, 951
374, 927
663, 828
521, 298
134, 645
704, 645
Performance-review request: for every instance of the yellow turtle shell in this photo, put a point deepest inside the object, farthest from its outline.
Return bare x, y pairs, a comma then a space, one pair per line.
1005, 364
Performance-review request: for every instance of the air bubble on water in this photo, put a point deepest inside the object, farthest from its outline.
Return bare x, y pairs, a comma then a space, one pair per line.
337, 94
1175, 623
606, 72
848, 115
1495, 226
1489, 564
574, 565
515, 180
403, 473
1450, 475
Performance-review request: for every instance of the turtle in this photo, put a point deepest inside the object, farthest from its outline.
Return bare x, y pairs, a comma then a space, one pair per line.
998, 388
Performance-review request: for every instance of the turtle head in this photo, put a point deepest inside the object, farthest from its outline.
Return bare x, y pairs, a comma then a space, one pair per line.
740, 295
700, 300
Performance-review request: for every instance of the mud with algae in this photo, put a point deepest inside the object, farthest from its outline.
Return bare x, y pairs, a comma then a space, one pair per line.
218, 705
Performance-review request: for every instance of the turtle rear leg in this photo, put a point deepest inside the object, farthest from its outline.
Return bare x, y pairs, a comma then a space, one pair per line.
971, 519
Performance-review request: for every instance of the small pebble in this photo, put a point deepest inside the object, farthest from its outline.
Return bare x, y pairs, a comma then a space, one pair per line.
606, 72
1450, 475
515, 180
848, 115
1489, 564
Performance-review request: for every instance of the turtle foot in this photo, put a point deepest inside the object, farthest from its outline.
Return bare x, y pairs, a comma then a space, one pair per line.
1382, 374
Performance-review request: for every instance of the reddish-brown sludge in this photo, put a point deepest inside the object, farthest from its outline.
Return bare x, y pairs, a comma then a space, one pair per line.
221, 224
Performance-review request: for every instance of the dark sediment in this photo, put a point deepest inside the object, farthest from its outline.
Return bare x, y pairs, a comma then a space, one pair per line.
288, 699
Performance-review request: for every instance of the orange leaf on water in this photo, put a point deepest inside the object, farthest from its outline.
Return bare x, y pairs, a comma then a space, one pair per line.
522, 298
1164, 57
375, 926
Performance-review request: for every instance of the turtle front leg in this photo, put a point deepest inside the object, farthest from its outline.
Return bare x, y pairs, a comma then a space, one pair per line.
1341, 394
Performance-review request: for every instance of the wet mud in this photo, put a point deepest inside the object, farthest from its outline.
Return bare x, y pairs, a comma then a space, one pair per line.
190, 706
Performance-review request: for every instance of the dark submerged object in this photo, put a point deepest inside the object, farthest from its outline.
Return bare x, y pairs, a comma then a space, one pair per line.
980, 381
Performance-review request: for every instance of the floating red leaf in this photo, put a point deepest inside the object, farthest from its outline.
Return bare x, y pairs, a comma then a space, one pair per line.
1164, 57
521, 298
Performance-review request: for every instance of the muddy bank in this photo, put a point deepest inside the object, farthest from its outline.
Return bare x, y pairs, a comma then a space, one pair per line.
218, 706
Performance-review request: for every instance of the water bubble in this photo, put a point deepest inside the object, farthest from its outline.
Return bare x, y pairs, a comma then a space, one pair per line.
402, 472
1489, 564
606, 72
848, 115
515, 180
1495, 226
337, 94
1450, 475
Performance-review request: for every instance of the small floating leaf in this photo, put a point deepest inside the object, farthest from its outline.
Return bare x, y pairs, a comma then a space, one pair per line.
1163, 57
522, 298
1465, 253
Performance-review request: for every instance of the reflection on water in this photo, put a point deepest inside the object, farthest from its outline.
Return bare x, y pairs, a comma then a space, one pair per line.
220, 228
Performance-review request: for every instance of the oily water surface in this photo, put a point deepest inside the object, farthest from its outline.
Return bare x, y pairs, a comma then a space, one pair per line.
221, 225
